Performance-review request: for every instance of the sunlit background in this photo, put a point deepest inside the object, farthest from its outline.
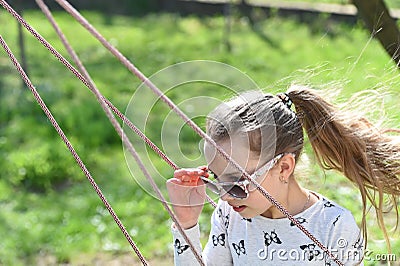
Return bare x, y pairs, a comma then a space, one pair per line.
50, 215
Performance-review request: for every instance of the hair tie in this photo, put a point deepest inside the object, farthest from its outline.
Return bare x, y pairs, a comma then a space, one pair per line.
285, 99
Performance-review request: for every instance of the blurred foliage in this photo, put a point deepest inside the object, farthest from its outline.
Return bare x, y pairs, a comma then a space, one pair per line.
389, 3
48, 209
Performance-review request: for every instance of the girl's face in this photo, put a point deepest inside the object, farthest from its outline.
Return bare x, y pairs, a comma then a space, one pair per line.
256, 203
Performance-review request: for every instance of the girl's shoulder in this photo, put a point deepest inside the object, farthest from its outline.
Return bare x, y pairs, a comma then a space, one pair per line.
326, 208
329, 217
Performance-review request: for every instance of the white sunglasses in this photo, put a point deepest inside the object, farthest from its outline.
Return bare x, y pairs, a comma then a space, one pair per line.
238, 189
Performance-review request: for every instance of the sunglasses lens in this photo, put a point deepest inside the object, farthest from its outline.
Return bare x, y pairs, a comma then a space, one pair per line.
236, 191
211, 186
233, 190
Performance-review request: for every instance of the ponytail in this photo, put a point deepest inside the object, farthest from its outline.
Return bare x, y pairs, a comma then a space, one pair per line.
344, 141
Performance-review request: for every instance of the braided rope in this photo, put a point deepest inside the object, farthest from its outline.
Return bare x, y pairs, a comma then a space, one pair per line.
188, 121
149, 84
89, 84
71, 148
82, 69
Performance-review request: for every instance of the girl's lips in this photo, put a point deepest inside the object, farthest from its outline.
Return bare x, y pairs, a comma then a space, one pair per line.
239, 208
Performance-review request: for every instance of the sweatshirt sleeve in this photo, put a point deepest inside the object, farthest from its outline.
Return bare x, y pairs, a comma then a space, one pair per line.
346, 241
216, 251
183, 255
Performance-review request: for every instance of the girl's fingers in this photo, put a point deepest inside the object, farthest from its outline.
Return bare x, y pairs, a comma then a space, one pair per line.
173, 182
189, 173
200, 182
181, 172
204, 168
187, 178
187, 181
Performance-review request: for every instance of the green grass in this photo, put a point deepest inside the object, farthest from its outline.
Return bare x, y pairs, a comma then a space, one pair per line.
70, 222
389, 3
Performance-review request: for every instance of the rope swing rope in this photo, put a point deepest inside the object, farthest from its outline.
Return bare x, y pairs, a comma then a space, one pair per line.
107, 105
83, 70
116, 125
71, 148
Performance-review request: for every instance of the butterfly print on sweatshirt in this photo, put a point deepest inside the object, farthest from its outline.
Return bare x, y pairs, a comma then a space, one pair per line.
239, 248
310, 251
270, 238
180, 248
336, 220
328, 204
301, 220
358, 244
224, 218
218, 240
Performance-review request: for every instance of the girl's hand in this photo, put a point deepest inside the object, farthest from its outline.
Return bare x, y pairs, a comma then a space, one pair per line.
187, 193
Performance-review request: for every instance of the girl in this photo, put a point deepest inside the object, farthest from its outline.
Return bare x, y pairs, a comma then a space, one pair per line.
265, 137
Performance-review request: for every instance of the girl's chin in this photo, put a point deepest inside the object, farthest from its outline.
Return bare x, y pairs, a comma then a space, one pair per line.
246, 216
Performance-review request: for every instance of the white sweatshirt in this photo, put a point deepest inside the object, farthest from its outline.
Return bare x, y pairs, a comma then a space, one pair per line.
234, 240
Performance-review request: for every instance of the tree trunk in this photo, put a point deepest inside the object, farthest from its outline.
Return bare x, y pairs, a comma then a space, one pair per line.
382, 26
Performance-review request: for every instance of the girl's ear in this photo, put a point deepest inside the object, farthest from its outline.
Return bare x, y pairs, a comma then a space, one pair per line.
286, 165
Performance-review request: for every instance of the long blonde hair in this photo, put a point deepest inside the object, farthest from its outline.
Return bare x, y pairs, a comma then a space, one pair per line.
342, 141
